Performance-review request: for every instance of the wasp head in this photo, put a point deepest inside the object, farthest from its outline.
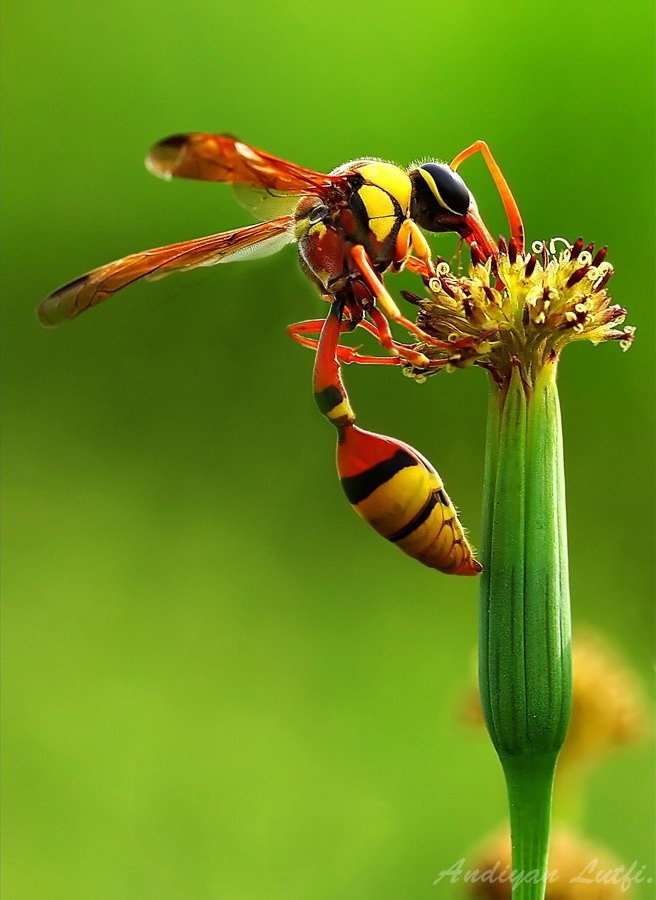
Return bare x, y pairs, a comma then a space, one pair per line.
441, 201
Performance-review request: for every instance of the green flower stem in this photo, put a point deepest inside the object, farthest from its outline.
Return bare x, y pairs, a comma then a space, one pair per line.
525, 648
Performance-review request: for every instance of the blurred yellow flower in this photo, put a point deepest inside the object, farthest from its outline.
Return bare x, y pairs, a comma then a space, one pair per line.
577, 870
608, 708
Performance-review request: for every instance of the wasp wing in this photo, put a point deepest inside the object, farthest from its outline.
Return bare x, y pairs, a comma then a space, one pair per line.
89, 290
264, 203
221, 157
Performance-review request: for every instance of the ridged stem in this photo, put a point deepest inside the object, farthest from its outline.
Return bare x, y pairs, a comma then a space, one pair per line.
525, 647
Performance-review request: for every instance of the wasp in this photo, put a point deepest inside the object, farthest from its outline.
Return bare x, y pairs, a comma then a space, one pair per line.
352, 225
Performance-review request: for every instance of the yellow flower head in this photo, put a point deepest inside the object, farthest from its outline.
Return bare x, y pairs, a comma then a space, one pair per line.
520, 308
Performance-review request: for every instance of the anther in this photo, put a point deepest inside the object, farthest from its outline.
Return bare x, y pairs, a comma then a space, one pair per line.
577, 276
446, 287
545, 255
476, 255
600, 257
604, 281
530, 266
576, 248
413, 298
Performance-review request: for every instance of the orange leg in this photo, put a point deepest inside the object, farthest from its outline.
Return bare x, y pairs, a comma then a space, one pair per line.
387, 304
509, 203
390, 309
410, 237
382, 326
419, 267
299, 331
413, 264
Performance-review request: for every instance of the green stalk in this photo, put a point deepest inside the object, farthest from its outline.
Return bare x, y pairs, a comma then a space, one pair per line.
525, 649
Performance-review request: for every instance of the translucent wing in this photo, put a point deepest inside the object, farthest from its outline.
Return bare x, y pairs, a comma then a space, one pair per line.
263, 203
89, 290
220, 157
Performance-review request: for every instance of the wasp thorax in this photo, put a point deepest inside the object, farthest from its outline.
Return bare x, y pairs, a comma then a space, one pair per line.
387, 177
379, 202
440, 196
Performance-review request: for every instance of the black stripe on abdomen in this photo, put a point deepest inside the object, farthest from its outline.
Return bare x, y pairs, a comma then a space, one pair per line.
417, 520
358, 487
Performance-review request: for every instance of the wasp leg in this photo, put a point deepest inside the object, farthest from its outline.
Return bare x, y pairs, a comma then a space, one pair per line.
387, 482
509, 203
410, 237
418, 266
299, 331
375, 330
382, 326
391, 310
387, 304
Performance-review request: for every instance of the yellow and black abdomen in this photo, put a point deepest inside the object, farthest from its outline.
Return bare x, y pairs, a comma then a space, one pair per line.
402, 497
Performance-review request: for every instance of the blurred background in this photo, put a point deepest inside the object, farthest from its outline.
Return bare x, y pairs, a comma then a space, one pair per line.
218, 681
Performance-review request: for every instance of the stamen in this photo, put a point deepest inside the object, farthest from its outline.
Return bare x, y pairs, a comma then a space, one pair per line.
530, 266
476, 255
600, 257
545, 256
576, 248
413, 298
629, 331
575, 277
603, 281
446, 287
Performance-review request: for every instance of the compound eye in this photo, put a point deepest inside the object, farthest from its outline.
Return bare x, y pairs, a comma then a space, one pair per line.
447, 187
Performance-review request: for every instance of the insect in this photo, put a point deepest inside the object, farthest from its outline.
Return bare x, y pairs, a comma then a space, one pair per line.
351, 226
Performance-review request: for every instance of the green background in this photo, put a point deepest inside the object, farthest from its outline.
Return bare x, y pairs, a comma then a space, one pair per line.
218, 682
